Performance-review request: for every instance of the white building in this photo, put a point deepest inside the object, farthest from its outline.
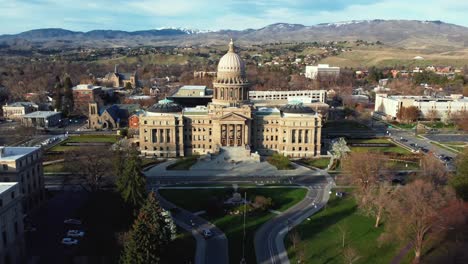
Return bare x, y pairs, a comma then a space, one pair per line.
314, 95
322, 70
24, 165
19, 109
12, 246
388, 105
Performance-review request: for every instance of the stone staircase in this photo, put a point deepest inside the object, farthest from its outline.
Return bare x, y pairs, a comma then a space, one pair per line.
235, 153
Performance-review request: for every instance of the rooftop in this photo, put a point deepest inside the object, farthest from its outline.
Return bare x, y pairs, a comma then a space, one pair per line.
193, 87
4, 186
86, 87
22, 104
14, 153
41, 114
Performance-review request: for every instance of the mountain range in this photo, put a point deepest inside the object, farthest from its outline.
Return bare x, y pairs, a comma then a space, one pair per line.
400, 33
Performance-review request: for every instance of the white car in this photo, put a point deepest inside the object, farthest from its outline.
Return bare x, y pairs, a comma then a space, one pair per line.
75, 233
72, 222
69, 241
207, 233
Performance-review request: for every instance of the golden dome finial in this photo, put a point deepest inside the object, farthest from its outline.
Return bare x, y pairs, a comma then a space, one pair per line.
231, 46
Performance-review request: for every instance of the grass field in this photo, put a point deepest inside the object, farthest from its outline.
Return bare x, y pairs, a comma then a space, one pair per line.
111, 139
231, 225
280, 162
321, 236
391, 149
383, 56
53, 168
321, 163
183, 164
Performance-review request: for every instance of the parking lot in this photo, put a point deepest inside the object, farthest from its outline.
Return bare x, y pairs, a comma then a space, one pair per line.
44, 244
447, 137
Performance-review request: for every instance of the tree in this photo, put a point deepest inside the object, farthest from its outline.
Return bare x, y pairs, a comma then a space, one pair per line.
432, 115
433, 170
150, 234
416, 214
350, 255
460, 119
363, 171
460, 180
263, 203
377, 201
90, 163
128, 86
408, 114
58, 87
68, 102
131, 183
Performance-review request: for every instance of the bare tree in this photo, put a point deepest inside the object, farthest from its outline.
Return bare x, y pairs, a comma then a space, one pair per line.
377, 201
416, 214
295, 238
343, 228
91, 164
408, 114
363, 170
350, 255
433, 170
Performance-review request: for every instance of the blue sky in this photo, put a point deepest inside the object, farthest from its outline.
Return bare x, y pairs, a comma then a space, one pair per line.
84, 15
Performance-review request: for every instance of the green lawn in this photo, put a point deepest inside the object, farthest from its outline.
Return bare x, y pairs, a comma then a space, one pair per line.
183, 164
321, 163
401, 165
280, 162
231, 225
390, 149
93, 138
370, 141
321, 237
62, 147
53, 168
444, 147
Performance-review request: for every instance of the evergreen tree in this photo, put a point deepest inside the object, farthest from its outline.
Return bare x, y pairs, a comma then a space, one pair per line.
149, 236
132, 184
58, 94
460, 180
68, 96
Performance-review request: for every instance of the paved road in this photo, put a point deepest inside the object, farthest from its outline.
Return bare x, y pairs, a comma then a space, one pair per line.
213, 250
269, 239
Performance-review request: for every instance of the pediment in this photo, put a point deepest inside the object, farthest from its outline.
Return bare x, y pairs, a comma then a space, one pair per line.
233, 117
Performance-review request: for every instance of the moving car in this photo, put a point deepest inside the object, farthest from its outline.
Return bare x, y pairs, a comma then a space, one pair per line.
69, 241
72, 221
75, 233
207, 233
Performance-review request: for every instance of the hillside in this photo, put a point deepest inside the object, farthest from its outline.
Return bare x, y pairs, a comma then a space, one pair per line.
398, 33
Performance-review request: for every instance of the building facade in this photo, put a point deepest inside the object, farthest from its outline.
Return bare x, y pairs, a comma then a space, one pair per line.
17, 110
84, 94
12, 244
120, 79
313, 95
230, 120
111, 116
387, 106
42, 119
321, 70
24, 165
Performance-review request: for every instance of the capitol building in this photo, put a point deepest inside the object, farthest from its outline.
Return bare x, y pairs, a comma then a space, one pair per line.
230, 121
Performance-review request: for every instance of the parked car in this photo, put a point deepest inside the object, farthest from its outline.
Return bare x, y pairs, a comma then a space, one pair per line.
72, 221
207, 233
75, 233
69, 241
403, 140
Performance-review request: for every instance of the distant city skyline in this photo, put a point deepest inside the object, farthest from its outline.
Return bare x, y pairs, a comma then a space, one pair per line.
85, 15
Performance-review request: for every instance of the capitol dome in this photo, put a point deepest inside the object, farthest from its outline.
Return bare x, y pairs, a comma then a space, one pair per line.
231, 61
231, 67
